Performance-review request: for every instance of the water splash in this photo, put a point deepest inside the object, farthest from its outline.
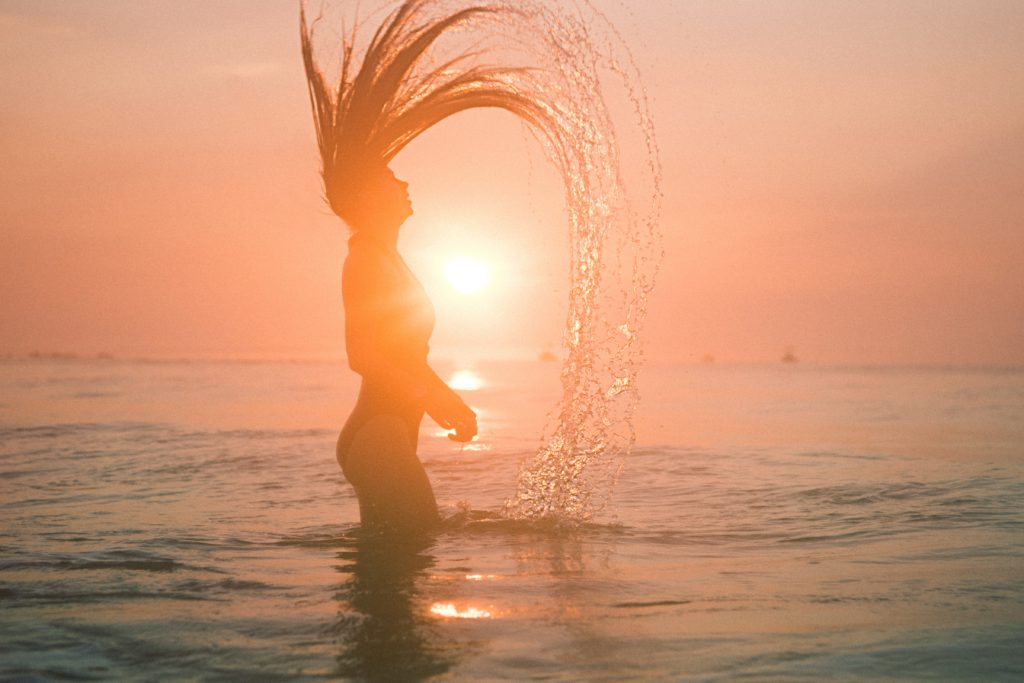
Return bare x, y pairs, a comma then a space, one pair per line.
612, 177
562, 67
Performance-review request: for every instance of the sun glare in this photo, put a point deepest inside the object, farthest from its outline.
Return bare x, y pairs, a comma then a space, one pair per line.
450, 611
467, 276
465, 380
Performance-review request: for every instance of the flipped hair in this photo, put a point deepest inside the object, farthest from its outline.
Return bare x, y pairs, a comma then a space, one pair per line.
380, 105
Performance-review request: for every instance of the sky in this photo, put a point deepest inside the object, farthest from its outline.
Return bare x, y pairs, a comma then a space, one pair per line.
843, 178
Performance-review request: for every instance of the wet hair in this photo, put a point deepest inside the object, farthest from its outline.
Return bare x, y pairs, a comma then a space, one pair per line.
379, 105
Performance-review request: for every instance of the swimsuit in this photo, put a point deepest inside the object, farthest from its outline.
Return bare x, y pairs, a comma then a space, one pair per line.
401, 319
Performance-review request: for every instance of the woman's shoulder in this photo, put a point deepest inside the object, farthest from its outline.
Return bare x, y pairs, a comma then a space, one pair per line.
367, 260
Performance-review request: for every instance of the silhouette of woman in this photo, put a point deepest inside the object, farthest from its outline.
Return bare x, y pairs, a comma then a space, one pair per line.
388, 322
362, 122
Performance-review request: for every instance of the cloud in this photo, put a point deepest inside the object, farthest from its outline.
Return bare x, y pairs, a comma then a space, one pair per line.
249, 71
14, 25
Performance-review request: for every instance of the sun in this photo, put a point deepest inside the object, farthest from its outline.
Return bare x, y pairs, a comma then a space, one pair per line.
467, 275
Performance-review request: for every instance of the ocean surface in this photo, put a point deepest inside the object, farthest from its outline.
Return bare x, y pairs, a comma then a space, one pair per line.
188, 521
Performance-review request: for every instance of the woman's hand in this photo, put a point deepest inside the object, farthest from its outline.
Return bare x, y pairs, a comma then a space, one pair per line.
448, 410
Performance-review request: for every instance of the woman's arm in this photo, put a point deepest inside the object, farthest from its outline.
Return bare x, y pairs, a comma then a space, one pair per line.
448, 409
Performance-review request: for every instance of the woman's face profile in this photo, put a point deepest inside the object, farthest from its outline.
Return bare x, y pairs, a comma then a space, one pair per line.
385, 201
378, 201
394, 195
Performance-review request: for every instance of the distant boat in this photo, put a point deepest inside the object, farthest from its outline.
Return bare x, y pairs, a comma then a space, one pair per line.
789, 356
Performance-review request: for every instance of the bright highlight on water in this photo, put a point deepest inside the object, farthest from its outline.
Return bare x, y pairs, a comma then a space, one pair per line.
465, 380
449, 610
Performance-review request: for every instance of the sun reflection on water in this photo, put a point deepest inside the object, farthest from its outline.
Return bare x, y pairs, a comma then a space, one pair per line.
448, 610
466, 380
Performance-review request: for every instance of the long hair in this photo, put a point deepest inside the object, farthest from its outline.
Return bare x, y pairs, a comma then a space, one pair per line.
380, 105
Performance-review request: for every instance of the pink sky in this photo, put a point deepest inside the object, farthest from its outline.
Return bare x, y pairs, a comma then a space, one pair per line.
845, 178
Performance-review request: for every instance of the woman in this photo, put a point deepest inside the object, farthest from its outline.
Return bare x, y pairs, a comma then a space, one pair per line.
361, 124
372, 112
388, 321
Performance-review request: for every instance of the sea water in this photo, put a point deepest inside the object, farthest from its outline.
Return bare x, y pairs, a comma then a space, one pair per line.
188, 521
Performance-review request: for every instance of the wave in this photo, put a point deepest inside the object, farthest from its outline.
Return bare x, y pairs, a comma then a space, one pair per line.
117, 559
